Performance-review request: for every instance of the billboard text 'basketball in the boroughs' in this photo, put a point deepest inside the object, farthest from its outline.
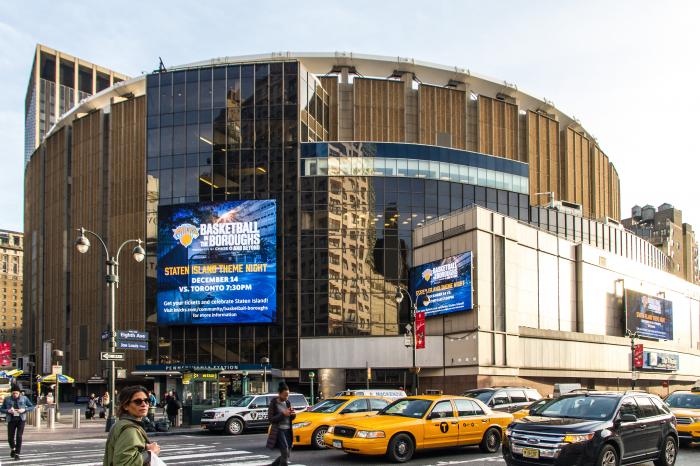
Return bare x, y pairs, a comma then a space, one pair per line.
443, 286
217, 262
649, 316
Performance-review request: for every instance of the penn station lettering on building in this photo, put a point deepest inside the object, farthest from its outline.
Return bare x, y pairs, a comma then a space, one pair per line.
283, 198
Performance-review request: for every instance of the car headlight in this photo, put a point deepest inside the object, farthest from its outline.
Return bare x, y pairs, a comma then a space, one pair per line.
219, 415
695, 419
578, 438
299, 425
331, 429
509, 431
370, 434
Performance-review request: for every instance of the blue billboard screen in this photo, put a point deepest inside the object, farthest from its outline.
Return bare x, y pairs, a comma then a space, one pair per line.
443, 286
649, 316
217, 263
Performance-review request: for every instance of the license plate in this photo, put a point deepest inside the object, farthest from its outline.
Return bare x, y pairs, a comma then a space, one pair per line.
337, 444
531, 453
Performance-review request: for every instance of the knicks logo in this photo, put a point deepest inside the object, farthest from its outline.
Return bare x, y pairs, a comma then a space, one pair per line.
186, 233
427, 273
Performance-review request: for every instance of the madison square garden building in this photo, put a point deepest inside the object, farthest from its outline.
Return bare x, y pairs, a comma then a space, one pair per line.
336, 167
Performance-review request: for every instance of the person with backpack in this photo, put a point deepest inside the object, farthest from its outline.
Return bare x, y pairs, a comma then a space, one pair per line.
173, 408
127, 443
15, 407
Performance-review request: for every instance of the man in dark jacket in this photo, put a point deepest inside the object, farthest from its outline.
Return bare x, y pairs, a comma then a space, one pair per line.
281, 415
15, 407
172, 408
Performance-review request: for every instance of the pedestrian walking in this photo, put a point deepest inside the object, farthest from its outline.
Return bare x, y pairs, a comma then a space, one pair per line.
281, 415
173, 407
152, 401
127, 443
15, 407
105, 405
91, 406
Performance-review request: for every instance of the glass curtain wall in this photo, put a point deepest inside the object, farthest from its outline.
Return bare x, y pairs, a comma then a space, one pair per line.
227, 133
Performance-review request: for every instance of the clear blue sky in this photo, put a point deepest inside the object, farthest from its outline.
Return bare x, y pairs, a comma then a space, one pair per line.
628, 70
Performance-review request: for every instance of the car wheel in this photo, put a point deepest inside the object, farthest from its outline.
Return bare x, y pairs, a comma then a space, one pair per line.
317, 438
608, 457
401, 448
669, 452
234, 426
491, 441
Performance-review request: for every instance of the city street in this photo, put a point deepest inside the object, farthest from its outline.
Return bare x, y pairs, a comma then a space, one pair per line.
249, 449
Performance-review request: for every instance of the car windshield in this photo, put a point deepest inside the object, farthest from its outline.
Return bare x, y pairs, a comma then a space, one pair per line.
684, 400
407, 407
580, 407
482, 395
327, 406
245, 401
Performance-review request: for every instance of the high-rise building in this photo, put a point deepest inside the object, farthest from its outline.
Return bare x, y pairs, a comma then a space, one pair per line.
11, 256
664, 228
58, 81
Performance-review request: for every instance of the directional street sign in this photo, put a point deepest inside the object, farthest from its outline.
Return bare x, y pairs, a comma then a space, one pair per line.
107, 356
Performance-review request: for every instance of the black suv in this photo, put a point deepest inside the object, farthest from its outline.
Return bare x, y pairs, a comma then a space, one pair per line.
505, 399
596, 428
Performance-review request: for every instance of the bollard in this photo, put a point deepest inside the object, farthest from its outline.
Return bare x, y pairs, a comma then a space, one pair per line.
178, 418
76, 418
30, 417
51, 421
37, 417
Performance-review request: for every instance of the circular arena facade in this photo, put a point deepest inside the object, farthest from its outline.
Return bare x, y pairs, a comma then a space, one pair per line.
357, 151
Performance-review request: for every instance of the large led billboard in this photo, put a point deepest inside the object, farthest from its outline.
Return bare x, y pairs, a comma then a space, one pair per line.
443, 286
649, 316
217, 263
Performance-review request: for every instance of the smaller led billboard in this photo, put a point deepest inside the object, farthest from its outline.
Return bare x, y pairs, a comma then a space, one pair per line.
217, 263
443, 286
649, 316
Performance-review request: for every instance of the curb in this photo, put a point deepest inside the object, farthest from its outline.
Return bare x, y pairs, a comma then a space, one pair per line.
174, 432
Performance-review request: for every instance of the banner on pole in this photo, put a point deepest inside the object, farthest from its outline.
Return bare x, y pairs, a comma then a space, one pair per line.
420, 330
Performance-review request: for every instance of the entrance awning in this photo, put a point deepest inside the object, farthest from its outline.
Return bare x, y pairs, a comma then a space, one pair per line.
154, 373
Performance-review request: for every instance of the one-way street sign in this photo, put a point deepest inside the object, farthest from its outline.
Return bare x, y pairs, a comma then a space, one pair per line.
107, 356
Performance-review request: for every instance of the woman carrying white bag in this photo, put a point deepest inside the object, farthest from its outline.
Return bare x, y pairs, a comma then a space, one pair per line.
128, 444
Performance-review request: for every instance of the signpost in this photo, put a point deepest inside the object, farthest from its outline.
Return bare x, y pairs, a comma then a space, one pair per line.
107, 356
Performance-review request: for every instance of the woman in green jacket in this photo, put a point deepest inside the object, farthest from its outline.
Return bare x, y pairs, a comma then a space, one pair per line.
127, 444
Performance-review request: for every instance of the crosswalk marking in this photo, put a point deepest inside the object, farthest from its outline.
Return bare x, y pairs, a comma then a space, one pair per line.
90, 452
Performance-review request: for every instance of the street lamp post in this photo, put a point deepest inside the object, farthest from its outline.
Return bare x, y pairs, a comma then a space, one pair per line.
265, 361
244, 382
399, 298
82, 244
311, 378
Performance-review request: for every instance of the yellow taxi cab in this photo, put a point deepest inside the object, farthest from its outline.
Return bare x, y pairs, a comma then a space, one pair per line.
310, 426
685, 405
530, 408
418, 423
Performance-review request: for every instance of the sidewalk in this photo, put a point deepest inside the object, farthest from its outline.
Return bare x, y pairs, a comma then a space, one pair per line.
93, 428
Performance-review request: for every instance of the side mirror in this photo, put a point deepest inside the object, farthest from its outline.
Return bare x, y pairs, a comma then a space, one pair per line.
628, 418
434, 415
253, 406
345, 411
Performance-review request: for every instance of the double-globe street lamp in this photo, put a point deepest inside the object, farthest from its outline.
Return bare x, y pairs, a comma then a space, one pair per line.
82, 244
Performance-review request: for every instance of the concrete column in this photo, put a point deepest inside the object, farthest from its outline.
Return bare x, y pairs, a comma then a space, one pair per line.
331, 381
